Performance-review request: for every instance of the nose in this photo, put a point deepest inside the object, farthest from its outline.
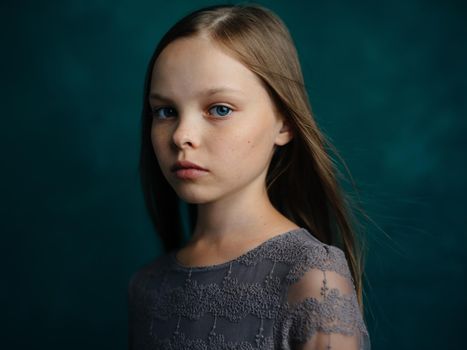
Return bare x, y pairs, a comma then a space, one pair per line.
185, 133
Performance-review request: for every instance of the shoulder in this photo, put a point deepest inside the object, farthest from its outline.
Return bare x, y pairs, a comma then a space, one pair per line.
313, 255
146, 273
321, 305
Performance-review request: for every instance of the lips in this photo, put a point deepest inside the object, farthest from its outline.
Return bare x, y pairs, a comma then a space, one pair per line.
184, 164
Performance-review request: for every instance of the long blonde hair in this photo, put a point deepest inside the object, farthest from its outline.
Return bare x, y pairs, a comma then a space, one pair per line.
302, 179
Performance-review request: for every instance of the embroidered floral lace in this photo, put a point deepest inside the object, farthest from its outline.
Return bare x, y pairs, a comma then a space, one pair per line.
290, 292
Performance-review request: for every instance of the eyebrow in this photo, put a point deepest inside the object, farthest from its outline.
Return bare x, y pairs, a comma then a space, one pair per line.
207, 92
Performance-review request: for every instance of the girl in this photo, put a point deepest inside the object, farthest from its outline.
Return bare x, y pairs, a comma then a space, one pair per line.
228, 129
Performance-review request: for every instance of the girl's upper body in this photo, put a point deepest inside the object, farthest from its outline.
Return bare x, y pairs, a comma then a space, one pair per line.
289, 292
228, 129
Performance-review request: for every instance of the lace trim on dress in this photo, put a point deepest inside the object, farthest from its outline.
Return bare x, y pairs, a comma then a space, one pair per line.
231, 299
336, 313
214, 342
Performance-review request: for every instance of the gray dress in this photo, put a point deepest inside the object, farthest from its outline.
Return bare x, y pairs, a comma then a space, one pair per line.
290, 292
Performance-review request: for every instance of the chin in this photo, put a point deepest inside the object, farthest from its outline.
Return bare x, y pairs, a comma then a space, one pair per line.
193, 197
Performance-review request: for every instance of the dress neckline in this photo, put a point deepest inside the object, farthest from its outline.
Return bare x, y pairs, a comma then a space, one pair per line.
179, 266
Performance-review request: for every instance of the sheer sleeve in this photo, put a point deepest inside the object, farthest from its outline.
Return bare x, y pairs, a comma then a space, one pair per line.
322, 307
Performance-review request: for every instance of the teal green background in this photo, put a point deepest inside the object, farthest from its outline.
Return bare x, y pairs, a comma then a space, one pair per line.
387, 82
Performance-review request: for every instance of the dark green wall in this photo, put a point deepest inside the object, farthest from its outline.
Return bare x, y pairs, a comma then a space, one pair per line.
387, 81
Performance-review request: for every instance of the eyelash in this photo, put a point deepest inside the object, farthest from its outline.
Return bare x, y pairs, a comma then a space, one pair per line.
156, 110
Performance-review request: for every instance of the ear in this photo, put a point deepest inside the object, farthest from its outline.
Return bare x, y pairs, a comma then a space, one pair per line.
285, 133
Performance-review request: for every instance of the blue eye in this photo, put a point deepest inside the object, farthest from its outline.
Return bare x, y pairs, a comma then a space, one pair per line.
167, 112
163, 112
222, 110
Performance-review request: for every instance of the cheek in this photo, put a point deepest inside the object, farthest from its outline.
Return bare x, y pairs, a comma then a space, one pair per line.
246, 146
158, 140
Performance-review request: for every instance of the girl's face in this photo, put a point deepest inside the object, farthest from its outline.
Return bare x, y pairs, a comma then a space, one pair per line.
211, 110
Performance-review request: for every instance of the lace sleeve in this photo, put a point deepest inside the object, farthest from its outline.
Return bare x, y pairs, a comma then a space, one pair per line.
322, 307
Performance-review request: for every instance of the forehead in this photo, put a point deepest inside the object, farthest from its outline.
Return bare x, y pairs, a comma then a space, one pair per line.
193, 63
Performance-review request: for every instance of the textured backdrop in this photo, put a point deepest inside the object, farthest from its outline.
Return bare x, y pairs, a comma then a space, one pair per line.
387, 82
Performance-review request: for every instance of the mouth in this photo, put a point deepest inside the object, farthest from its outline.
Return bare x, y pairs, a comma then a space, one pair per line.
190, 173
186, 165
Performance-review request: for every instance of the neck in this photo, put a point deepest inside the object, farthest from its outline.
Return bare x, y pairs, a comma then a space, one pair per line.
244, 216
